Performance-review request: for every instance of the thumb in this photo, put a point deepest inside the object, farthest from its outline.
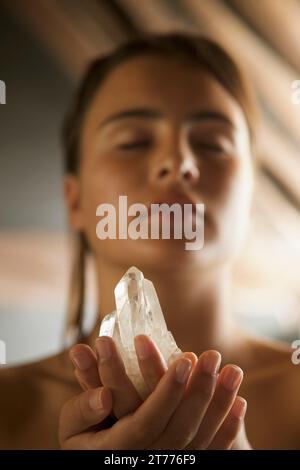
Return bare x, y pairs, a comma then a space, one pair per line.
83, 411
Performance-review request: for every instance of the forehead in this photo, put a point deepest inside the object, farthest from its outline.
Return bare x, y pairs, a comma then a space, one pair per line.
174, 88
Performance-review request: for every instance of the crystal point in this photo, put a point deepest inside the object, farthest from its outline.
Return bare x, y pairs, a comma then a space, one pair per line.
138, 311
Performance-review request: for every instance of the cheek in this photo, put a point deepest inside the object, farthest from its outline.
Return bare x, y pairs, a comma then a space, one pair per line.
229, 191
101, 181
219, 181
105, 180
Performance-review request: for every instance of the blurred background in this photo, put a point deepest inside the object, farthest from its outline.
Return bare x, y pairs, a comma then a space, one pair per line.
45, 46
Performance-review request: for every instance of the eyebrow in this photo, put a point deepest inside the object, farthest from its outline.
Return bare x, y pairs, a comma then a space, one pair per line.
152, 114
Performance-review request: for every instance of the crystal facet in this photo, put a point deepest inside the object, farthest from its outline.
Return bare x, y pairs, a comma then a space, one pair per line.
138, 312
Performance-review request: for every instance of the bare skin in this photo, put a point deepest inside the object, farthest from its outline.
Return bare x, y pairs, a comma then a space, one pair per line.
193, 288
37, 392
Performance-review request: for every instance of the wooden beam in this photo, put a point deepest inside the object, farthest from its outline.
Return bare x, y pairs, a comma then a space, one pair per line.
67, 39
281, 158
152, 16
271, 75
277, 21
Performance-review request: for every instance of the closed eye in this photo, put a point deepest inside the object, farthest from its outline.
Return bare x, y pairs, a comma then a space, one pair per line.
135, 145
209, 147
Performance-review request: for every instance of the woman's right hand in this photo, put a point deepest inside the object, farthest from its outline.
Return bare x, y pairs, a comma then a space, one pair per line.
203, 406
136, 430
105, 367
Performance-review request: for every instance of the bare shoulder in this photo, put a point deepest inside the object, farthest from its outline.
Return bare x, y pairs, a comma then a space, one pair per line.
33, 375
31, 396
271, 387
268, 360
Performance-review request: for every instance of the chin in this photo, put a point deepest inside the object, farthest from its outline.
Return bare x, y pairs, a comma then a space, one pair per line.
161, 254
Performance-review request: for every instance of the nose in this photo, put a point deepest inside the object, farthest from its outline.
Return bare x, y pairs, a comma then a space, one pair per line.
175, 168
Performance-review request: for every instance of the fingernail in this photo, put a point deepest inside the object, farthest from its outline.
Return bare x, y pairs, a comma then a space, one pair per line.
81, 360
232, 377
104, 349
183, 369
142, 347
239, 408
96, 400
211, 361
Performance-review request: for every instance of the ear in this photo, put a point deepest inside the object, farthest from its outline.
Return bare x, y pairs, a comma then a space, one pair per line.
72, 200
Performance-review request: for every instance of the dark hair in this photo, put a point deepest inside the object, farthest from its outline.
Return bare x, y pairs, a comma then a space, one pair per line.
191, 49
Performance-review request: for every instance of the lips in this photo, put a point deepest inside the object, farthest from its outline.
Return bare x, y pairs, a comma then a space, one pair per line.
175, 199
172, 198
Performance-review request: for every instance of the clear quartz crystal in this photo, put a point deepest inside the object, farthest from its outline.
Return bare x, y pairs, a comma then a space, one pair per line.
138, 312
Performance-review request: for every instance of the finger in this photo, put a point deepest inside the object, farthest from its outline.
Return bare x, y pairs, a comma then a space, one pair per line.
193, 407
82, 384
152, 417
113, 375
86, 368
229, 381
229, 431
241, 442
192, 357
83, 411
152, 364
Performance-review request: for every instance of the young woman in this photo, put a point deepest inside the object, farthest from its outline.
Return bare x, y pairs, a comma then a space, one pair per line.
163, 119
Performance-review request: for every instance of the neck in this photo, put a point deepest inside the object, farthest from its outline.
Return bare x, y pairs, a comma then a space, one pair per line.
196, 305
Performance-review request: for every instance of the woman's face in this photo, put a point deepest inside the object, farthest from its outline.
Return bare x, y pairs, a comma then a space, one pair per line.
156, 131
